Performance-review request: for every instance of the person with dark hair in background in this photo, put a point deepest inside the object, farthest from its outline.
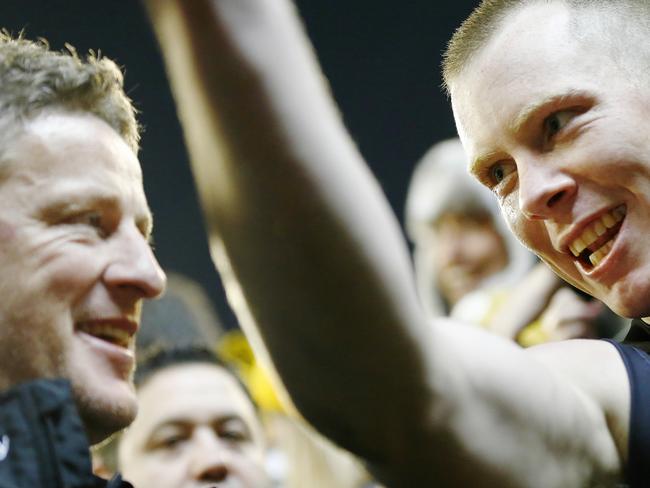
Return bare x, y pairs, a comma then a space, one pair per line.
197, 425
75, 261
551, 100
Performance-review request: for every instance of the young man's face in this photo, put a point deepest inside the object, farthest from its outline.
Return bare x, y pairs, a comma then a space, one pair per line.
75, 263
196, 428
560, 132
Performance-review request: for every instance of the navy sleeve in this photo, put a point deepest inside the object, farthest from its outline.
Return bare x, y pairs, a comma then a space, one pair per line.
637, 363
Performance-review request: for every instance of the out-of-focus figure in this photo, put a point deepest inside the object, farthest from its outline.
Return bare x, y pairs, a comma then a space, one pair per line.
460, 241
196, 425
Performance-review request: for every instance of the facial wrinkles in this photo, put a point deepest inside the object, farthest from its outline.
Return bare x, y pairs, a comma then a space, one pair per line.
120, 170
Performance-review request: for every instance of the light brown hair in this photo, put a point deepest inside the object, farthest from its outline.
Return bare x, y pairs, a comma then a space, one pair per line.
35, 79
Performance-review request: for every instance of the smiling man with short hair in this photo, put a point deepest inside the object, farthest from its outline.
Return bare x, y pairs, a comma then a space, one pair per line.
75, 261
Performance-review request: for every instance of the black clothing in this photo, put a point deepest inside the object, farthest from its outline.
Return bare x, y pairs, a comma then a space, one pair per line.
42, 440
635, 352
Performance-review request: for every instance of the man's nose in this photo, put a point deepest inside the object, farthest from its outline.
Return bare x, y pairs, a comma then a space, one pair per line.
545, 191
451, 249
209, 458
134, 265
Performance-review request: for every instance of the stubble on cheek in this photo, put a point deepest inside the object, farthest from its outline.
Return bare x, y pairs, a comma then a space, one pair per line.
31, 345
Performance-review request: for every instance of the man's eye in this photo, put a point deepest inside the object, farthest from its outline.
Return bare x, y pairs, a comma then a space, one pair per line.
90, 219
233, 435
94, 220
169, 442
555, 122
234, 430
498, 172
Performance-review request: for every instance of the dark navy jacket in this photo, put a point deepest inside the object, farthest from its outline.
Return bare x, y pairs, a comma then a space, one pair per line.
635, 351
42, 440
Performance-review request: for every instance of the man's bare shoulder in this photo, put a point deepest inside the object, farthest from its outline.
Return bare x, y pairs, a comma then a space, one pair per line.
593, 364
596, 368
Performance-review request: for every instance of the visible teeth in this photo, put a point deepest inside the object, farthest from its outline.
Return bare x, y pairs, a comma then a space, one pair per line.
578, 246
608, 220
589, 235
598, 256
107, 332
597, 229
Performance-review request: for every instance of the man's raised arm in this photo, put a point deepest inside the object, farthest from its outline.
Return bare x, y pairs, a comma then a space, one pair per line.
315, 263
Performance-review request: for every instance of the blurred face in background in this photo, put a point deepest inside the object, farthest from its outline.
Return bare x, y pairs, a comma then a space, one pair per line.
196, 427
466, 249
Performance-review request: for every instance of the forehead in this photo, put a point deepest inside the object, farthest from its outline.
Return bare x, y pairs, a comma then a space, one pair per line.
55, 131
463, 220
74, 156
533, 57
194, 391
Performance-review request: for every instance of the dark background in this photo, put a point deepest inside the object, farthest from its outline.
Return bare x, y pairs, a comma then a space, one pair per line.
382, 59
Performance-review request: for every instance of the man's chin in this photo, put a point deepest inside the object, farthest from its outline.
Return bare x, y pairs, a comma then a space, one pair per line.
103, 415
630, 306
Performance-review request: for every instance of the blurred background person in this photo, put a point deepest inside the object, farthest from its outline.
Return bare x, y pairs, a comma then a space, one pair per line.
470, 267
460, 242
197, 426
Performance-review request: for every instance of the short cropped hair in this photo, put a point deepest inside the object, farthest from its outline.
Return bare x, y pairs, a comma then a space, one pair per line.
486, 19
35, 79
159, 357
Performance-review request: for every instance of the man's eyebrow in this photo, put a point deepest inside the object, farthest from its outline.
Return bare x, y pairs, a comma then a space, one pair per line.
145, 224
180, 420
81, 203
532, 109
173, 422
476, 164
